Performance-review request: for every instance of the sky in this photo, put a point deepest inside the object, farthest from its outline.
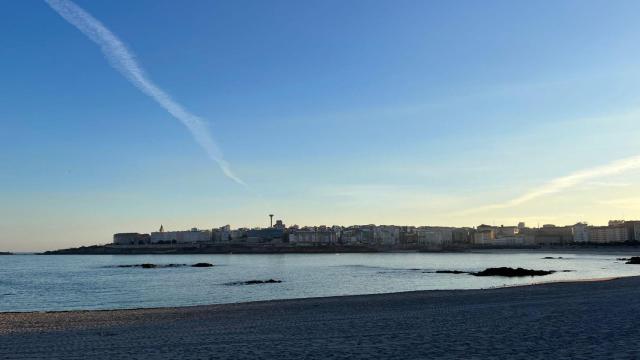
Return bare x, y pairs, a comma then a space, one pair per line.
325, 112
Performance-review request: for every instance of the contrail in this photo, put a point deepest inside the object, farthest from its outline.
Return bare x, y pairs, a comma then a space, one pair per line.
124, 61
567, 182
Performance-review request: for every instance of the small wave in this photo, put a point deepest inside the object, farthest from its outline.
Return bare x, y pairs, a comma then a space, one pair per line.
383, 268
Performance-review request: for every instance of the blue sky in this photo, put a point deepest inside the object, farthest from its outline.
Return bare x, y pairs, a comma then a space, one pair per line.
332, 112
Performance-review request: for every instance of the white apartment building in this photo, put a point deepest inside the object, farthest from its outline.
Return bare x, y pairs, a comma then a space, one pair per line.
190, 236
313, 237
580, 232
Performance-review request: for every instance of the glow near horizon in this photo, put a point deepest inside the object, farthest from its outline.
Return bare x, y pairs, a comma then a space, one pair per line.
124, 61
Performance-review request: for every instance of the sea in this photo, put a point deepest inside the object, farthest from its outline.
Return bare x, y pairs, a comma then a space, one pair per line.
96, 282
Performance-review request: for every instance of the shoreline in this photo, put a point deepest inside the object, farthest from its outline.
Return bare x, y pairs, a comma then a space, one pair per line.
187, 307
608, 249
589, 319
199, 249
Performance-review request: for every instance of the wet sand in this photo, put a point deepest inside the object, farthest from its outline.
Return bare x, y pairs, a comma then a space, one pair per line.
583, 320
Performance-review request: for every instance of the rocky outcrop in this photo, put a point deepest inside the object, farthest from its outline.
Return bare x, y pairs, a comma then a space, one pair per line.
146, 266
202, 265
633, 260
255, 282
155, 266
511, 272
500, 271
451, 272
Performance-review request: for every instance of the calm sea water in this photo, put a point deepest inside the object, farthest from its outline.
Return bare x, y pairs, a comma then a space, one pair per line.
46, 283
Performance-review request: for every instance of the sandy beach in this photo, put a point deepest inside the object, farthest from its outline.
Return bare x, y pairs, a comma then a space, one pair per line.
583, 320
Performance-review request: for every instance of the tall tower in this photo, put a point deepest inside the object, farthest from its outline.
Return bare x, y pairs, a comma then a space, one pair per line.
271, 216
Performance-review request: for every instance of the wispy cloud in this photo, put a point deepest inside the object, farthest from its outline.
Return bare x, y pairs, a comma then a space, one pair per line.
567, 182
124, 61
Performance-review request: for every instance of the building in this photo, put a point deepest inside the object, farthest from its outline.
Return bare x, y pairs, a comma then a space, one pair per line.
633, 228
358, 235
484, 235
172, 237
338, 230
580, 232
506, 231
461, 236
503, 236
408, 236
608, 234
435, 238
221, 234
279, 225
238, 235
131, 239
312, 236
553, 235
386, 235
351, 236
265, 235
513, 241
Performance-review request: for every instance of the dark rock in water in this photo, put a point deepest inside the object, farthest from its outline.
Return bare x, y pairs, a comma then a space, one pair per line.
511, 272
255, 282
5, 253
150, 266
202, 265
551, 257
451, 272
270, 281
633, 260
154, 266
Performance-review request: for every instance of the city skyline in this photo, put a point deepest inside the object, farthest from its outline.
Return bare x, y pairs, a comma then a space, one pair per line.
330, 239
330, 112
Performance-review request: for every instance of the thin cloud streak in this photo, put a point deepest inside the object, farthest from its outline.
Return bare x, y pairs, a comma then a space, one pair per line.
567, 182
124, 61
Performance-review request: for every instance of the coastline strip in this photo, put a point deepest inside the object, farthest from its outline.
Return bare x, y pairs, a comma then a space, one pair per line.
589, 319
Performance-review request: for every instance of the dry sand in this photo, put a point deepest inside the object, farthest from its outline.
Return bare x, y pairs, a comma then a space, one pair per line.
583, 320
